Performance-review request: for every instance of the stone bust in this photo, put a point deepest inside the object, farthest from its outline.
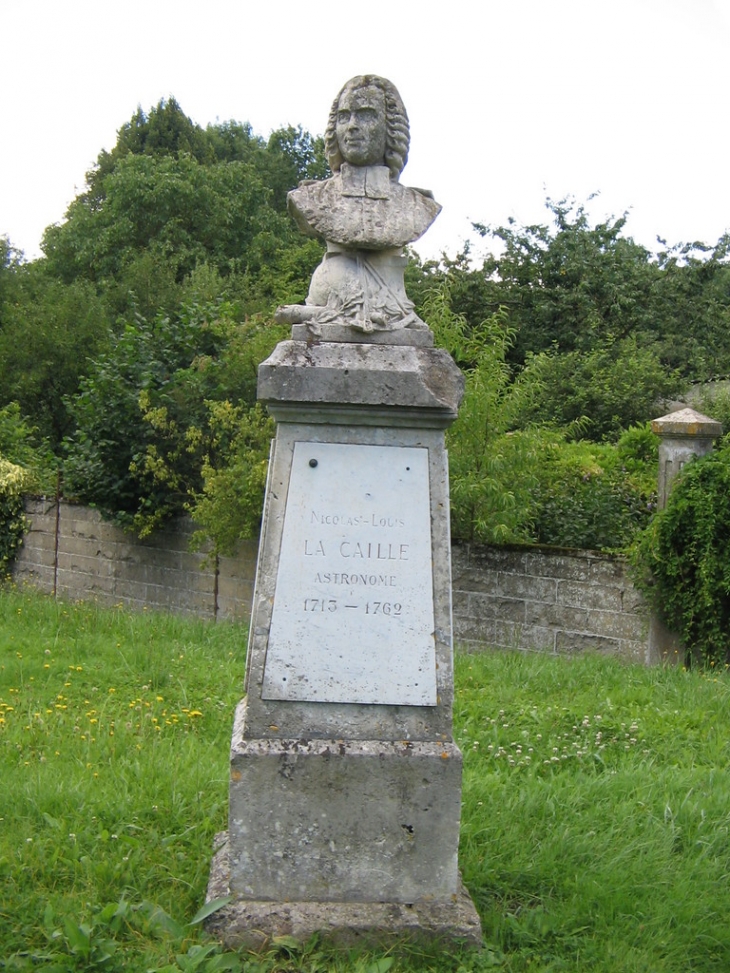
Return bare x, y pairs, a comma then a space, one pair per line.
363, 213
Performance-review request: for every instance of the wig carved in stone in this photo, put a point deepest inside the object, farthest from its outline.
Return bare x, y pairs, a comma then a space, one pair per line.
363, 212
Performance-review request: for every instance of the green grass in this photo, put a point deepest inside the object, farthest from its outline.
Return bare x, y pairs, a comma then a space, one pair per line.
597, 813
596, 820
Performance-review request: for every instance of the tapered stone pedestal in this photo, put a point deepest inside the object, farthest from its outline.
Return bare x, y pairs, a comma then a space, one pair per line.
345, 788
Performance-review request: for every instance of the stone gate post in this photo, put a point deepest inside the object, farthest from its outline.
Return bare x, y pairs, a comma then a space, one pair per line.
683, 435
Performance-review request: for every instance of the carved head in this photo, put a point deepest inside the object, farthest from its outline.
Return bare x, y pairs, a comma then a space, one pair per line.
370, 97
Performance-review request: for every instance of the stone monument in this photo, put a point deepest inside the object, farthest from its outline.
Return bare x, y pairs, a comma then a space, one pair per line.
345, 782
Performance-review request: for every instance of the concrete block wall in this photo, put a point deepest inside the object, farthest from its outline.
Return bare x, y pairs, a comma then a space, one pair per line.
71, 550
542, 600
525, 598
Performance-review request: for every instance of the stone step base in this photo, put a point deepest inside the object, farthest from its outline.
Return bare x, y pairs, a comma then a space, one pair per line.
255, 925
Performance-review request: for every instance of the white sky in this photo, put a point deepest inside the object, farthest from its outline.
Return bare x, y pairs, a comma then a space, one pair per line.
509, 100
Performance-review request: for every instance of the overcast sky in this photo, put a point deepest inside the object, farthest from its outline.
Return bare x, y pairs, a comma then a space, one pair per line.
509, 100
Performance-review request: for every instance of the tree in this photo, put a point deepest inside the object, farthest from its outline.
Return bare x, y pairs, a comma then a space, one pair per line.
604, 390
571, 285
292, 156
172, 207
164, 131
692, 327
492, 473
171, 196
9, 264
147, 417
49, 334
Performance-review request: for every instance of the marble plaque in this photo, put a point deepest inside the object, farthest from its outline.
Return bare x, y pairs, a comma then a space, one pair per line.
352, 620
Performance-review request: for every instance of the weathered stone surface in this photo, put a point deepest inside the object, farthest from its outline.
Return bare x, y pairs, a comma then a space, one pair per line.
339, 820
579, 601
551, 615
354, 579
687, 422
578, 642
364, 214
254, 924
312, 332
683, 435
491, 606
583, 595
373, 381
327, 720
362, 208
526, 586
73, 552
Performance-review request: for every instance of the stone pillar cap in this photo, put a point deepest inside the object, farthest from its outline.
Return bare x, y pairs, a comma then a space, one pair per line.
687, 422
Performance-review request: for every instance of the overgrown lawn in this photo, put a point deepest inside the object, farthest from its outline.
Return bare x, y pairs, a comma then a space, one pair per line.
596, 820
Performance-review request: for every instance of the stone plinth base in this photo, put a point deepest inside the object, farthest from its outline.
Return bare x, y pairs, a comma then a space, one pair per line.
344, 820
253, 925
360, 821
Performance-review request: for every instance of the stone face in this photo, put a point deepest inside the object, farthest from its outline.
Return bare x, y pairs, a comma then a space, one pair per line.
353, 615
364, 214
345, 785
254, 924
369, 383
355, 821
386, 721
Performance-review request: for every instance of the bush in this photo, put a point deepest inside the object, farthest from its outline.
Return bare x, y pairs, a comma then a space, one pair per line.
13, 525
682, 560
606, 389
147, 429
230, 505
596, 496
584, 501
526, 485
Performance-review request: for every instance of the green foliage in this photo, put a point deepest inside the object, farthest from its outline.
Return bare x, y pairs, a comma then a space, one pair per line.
607, 389
692, 323
594, 817
230, 504
171, 196
294, 155
682, 560
20, 444
532, 484
173, 207
573, 286
48, 337
9, 263
164, 131
492, 472
150, 418
14, 481
143, 401
595, 496
25, 465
